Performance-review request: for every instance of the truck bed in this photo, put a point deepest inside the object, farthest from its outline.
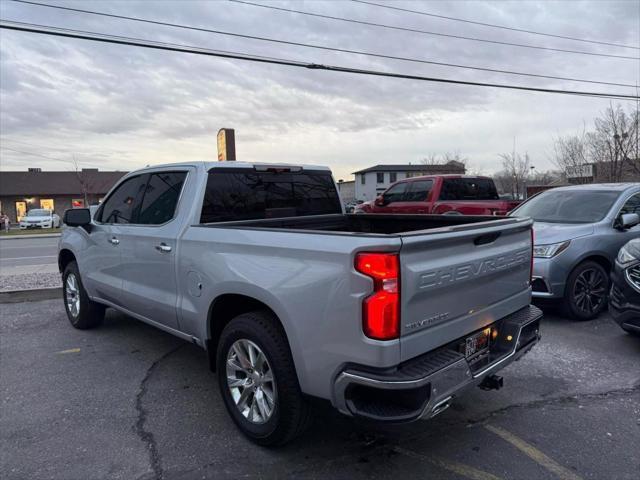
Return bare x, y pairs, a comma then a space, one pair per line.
371, 224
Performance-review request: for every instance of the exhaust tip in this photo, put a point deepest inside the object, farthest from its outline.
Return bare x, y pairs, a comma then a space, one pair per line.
440, 407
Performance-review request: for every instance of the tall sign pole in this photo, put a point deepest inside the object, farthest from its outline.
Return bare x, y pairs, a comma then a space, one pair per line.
226, 144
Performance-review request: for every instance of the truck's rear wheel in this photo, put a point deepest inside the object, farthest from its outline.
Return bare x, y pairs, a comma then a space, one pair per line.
81, 311
258, 381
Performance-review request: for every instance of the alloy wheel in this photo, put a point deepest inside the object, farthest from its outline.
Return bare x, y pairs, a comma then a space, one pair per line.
250, 381
590, 291
72, 295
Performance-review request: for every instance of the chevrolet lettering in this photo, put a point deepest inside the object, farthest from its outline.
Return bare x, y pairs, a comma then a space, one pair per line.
473, 270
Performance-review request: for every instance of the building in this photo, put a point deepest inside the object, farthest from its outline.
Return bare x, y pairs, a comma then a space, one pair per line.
372, 181
604, 172
347, 190
57, 191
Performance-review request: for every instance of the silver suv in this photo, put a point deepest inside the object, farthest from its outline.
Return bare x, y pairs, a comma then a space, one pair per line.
578, 232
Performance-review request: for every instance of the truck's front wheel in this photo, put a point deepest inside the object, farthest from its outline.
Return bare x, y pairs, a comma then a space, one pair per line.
258, 381
83, 313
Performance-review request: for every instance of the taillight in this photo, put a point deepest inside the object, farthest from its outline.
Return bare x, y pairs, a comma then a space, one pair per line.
531, 266
381, 309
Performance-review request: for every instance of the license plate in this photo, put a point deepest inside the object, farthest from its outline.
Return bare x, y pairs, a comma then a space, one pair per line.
477, 343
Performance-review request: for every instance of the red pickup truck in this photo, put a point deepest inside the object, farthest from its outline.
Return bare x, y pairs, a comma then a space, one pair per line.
440, 194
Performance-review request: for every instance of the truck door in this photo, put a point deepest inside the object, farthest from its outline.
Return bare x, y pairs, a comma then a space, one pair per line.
149, 250
415, 198
101, 263
391, 199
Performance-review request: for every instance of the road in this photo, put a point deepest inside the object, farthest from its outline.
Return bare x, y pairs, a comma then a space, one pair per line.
127, 401
15, 254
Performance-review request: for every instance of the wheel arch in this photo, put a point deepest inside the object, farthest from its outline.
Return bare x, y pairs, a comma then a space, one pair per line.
225, 308
598, 258
65, 256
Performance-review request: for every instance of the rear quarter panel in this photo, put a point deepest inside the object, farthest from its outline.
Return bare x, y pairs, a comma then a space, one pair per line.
307, 279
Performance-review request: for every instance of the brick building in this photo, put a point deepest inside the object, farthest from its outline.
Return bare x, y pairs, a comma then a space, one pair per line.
58, 191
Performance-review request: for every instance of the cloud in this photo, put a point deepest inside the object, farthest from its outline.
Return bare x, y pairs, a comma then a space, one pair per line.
124, 107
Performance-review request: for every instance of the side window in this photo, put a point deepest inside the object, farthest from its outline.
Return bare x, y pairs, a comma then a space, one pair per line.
120, 206
418, 191
468, 189
396, 193
632, 205
161, 197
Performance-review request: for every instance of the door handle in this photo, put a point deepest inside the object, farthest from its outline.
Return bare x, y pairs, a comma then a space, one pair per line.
114, 241
163, 248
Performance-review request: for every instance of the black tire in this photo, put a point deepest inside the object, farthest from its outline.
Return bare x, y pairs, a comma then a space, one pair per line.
586, 292
89, 314
291, 413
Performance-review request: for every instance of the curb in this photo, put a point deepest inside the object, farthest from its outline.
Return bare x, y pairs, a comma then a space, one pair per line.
37, 235
33, 295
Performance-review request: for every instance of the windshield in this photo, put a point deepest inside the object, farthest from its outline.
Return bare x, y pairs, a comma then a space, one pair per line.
40, 212
568, 206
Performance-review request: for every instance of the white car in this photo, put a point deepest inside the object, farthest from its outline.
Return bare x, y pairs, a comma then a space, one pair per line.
40, 218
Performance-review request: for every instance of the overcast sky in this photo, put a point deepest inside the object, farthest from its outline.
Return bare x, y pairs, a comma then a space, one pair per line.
116, 107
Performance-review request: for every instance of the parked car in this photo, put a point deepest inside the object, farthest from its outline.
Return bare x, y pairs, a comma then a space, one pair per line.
441, 194
40, 218
386, 317
624, 299
578, 233
350, 207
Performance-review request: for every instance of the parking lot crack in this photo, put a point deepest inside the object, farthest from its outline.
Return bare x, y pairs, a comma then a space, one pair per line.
579, 397
143, 433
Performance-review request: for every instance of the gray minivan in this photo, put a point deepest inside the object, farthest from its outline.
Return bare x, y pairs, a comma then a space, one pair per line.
578, 232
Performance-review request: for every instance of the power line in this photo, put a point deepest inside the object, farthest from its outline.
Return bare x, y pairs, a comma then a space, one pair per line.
321, 47
43, 156
493, 25
105, 38
426, 32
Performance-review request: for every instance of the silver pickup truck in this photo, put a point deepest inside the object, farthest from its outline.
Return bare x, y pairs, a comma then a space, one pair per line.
387, 317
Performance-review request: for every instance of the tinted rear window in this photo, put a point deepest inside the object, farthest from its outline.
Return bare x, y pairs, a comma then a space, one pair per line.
468, 189
245, 194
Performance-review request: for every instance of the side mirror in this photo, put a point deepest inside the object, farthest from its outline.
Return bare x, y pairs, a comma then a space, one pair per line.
77, 217
628, 220
380, 201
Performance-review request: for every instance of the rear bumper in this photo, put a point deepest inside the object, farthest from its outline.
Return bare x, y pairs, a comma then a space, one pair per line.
424, 386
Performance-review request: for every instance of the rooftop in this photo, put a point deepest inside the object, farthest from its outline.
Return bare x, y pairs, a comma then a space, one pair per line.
410, 167
57, 183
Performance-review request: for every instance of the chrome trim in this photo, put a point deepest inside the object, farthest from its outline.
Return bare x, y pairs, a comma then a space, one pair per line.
444, 383
635, 284
542, 295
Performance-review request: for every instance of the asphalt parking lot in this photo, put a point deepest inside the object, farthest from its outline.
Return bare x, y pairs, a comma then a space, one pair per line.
127, 401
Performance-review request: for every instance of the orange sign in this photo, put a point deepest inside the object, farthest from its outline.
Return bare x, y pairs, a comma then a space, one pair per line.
226, 144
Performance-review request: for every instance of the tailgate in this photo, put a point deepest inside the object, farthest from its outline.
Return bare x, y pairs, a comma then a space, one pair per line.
456, 282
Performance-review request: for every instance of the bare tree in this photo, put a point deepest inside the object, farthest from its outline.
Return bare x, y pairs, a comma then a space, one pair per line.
608, 152
444, 158
571, 156
83, 179
613, 144
515, 169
